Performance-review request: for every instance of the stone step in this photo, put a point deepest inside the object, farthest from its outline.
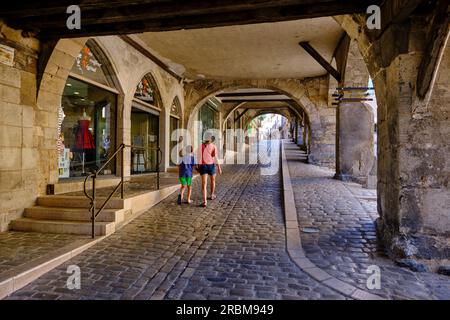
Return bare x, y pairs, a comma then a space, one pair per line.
77, 202
59, 226
73, 214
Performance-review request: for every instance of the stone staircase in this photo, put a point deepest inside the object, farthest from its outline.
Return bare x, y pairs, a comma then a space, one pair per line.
70, 214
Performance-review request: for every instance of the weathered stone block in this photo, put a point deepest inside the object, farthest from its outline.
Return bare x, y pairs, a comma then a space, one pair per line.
53, 84
9, 76
29, 158
10, 136
27, 116
10, 158
10, 114
10, 180
71, 46
436, 208
48, 101
412, 265
28, 88
28, 138
64, 59
9, 94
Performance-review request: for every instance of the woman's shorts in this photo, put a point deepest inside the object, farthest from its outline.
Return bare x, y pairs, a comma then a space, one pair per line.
209, 169
186, 181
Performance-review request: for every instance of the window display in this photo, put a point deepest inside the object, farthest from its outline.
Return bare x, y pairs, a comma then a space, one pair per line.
88, 126
87, 117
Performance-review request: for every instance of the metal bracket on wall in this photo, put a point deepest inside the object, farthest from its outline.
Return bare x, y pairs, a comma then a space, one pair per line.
352, 94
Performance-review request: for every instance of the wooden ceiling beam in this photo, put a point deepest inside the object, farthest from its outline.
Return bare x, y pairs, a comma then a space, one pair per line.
177, 21
324, 63
147, 10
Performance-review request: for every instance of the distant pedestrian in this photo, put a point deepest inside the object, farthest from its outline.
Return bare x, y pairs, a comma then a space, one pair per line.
207, 168
185, 168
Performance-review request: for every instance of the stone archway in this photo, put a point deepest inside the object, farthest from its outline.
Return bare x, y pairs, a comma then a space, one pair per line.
321, 118
290, 107
266, 112
49, 97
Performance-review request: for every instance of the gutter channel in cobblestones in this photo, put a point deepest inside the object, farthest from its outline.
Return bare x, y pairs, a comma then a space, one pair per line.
294, 245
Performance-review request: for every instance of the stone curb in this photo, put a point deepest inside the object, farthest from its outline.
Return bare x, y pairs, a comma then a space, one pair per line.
294, 244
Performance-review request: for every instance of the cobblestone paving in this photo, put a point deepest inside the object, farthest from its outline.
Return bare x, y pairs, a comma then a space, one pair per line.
346, 243
233, 249
247, 258
18, 248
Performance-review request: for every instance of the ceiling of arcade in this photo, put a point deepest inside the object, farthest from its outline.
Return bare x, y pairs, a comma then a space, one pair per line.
254, 51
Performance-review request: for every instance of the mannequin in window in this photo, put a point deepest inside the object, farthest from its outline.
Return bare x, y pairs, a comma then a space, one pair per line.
84, 141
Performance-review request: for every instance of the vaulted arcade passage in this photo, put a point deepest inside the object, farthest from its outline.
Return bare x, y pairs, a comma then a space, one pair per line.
372, 106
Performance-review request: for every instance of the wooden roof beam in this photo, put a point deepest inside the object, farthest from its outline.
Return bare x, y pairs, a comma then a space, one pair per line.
324, 63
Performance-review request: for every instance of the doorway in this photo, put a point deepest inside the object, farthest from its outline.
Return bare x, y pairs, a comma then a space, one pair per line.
144, 140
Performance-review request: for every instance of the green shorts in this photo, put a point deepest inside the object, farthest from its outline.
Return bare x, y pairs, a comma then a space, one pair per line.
186, 181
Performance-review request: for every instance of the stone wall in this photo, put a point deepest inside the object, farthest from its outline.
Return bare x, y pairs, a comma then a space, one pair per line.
18, 141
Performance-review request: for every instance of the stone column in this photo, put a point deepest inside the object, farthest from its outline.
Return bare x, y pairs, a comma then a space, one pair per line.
354, 156
413, 147
354, 123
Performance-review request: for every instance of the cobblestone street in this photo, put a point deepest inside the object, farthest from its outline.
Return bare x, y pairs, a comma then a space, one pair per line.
236, 247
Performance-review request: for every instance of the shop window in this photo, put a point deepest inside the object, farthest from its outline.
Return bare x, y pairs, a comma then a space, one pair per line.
87, 117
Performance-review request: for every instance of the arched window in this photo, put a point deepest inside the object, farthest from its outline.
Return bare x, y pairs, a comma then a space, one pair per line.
147, 91
87, 115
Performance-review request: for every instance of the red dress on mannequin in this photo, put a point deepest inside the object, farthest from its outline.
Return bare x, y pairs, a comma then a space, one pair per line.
84, 139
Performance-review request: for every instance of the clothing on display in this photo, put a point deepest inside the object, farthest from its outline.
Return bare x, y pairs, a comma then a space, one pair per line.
84, 141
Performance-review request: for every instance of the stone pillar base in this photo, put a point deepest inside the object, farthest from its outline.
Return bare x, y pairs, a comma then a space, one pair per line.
413, 245
344, 177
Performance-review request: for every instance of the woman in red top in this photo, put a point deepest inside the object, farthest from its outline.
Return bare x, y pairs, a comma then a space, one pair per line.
208, 168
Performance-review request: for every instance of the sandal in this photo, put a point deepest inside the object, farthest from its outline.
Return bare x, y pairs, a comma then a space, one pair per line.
189, 201
204, 205
213, 196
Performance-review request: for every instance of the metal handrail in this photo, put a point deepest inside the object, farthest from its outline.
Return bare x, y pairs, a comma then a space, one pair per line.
94, 176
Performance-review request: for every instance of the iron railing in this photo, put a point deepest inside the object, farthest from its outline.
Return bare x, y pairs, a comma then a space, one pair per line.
95, 173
